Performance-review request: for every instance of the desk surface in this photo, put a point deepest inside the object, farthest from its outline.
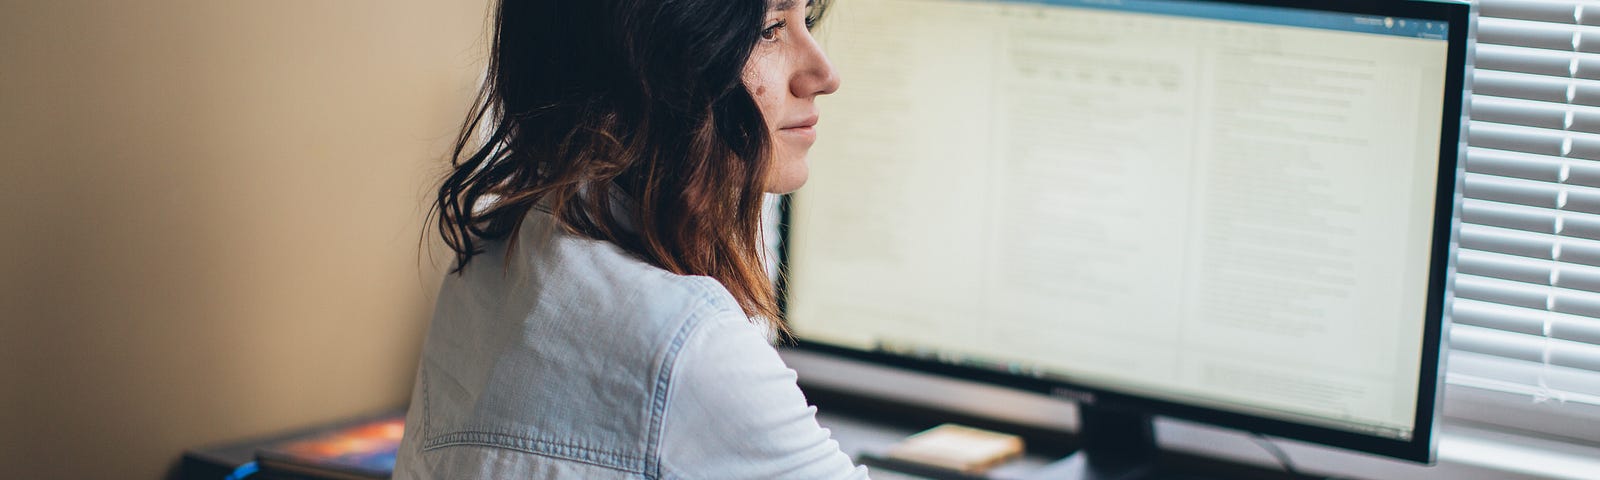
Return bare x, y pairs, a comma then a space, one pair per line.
857, 434
856, 429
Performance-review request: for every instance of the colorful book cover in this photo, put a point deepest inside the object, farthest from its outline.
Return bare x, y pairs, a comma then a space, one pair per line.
364, 449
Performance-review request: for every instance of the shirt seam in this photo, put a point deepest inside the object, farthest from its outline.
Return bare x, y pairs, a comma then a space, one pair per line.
544, 448
662, 387
427, 414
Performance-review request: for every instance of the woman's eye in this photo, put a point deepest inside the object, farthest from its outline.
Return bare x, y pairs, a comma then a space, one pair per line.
771, 33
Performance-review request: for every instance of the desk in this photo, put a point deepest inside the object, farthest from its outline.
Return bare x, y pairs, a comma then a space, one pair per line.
865, 425
858, 425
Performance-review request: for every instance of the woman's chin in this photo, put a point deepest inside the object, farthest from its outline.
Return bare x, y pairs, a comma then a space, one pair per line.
788, 177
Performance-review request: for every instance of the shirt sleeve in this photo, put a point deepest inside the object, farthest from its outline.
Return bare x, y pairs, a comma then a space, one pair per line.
734, 411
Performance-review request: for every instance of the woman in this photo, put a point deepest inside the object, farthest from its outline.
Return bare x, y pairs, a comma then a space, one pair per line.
608, 315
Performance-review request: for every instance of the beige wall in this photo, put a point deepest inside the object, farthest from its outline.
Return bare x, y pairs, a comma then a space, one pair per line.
209, 218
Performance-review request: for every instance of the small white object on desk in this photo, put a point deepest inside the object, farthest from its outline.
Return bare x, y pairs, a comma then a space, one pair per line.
957, 448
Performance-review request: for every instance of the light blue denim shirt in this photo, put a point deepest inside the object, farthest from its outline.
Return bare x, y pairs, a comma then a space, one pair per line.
571, 358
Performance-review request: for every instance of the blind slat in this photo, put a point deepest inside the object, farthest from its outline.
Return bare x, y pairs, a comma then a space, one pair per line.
1504, 215
1544, 88
1505, 190
1513, 164
1499, 240
1574, 354
1585, 330
1537, 10
1581, 200
1539, 61
1502, 291
1524, 33
1580, 226
1530, 113
1579, 252
1526, 321
1519, 112
1516, 139
1528, 348
1576, 277
1505, 267
1583, 173
1531, 378
1488, 341
1576, 303
1542, 141
1500, 317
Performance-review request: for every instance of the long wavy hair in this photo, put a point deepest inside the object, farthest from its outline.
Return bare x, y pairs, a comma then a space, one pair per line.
590, 101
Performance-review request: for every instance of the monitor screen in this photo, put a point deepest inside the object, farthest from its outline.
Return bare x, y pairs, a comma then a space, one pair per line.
1237, 207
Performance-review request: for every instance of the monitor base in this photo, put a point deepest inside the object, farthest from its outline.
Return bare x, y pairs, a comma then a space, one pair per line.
1116, 444
1079, 466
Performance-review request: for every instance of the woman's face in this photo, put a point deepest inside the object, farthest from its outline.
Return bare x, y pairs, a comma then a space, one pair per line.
786, 73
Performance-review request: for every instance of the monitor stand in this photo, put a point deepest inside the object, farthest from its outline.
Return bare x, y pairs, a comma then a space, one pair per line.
1115, 445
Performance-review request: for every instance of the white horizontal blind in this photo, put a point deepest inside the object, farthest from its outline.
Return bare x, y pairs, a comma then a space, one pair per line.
1527, 306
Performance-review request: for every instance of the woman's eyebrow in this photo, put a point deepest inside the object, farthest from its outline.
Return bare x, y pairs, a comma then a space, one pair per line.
783, 5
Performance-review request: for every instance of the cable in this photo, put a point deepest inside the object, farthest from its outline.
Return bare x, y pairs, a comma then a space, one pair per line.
1283, 458
1272, 448
243, 471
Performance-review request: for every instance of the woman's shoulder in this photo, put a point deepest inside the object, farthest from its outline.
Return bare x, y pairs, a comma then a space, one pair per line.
559, 283
561, 322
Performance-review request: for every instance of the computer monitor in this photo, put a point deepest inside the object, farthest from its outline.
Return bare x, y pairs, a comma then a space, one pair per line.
1231, 212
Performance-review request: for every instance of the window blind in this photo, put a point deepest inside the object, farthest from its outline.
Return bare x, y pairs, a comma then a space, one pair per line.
1527, 305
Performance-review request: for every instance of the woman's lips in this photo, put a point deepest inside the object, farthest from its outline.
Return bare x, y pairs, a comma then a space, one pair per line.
805, 129
804, 133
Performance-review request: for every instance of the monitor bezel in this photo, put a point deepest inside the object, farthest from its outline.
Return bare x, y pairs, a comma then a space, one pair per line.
1422, 445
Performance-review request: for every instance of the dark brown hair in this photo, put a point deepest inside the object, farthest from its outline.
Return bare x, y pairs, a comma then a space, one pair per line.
590, 101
